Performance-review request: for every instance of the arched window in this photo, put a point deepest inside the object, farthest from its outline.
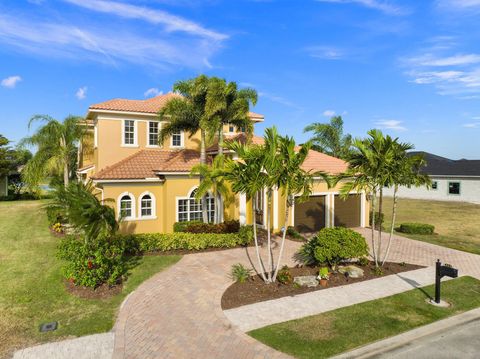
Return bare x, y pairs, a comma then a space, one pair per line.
126, 206
189, 209
147, 205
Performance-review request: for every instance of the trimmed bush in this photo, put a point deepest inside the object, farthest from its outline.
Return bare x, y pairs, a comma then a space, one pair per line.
160, 242
55, 215
416, 228
333, 245
200, 227
245, 234
93, 263
292, 232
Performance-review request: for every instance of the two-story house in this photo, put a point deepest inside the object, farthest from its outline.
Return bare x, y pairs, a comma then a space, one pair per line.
151, 185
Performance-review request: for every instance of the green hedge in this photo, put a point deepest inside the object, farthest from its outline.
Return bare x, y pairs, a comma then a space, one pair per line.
416, 228
200, 227
159, 242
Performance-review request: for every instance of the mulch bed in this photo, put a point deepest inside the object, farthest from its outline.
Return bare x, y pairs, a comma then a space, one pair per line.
102, 292
255, 290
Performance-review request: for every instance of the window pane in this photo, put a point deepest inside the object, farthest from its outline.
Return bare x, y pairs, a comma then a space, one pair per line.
146, 206
126, 206
129, 132
177, 139
153, 133
454, 188
434, 185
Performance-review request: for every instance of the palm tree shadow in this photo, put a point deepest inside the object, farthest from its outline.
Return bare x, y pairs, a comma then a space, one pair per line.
415, 285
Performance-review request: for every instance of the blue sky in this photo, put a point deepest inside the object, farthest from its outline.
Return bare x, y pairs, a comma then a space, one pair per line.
411, 68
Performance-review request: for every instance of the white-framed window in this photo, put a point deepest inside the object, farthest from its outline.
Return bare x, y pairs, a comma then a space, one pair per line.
434, 185
129, 133
146, 205
231, 128
454, 188
177, 139
126, 206
189, 209
153, 131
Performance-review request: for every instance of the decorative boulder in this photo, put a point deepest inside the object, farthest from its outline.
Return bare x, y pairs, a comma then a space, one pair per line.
306, 281
352, 271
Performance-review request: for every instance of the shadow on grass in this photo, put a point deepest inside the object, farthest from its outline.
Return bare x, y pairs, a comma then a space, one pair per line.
415, 285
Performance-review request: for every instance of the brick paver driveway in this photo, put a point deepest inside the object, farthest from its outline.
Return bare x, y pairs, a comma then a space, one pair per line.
177, 313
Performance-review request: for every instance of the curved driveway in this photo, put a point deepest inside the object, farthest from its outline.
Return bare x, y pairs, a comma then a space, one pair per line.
177, 313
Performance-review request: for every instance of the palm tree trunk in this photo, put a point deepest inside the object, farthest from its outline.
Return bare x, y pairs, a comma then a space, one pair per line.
260, 263
380, 209
203, 161
66, 174
374, 197
392, 226
220, 153
269, 237
287, 211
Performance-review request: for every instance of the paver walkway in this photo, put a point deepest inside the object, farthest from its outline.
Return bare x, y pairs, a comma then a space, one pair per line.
177, 314
259, 315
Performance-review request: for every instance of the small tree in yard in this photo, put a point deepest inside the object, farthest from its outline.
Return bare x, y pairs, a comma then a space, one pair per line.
274, 165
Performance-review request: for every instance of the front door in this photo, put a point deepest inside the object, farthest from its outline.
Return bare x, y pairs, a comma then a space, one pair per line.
259, 200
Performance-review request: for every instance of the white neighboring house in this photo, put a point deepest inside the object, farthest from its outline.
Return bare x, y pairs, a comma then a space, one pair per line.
452, 180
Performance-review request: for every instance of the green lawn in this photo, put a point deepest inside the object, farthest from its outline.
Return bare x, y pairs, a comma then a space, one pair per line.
456, 223
334, 332
32, 291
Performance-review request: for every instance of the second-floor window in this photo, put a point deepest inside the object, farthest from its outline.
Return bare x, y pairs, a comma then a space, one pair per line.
129, 132
153, 133
177, 139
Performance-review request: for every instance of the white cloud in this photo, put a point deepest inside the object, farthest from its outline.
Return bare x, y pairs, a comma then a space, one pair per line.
11, 82
278, 99
81, 92
152, 92
329, 113
390, 125
171, 22
325, 52
471, 125
387, 7
456, 60
111, 44
458, 4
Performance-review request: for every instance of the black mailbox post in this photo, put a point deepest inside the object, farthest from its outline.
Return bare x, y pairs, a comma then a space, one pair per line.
440, 272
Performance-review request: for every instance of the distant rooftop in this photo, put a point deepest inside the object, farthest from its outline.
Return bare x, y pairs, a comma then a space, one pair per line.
437, 165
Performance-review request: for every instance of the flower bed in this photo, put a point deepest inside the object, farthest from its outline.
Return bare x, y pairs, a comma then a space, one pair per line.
255, 290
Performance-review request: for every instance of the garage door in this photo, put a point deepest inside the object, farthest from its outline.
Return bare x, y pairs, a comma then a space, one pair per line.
309, 216
347, 212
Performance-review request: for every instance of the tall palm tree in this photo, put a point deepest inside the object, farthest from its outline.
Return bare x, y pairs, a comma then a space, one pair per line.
187, 113
56, 144
226, 104
329, 138
405, 171
214, 182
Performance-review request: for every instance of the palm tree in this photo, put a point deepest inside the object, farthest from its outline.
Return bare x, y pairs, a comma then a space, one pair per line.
187, 113
405, 171
292, 180
56, 144
329, 138
214, 182
247, 176
226, 104
84, 211
368, 170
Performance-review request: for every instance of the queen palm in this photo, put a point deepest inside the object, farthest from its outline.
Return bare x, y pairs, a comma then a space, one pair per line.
187, 113
329, 137
57, 144
405, 171
226, 104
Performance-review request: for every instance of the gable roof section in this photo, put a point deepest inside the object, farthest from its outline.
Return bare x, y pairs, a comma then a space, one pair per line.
147, 163
441, 166
149, 106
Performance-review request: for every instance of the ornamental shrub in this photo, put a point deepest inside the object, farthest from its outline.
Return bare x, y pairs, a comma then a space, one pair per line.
334, 245
239, 273
245, 234
55, 215
416, 228
200, 227
93, 263
182, 226
379, 219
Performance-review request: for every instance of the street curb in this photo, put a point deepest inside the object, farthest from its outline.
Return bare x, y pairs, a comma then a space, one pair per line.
386, 345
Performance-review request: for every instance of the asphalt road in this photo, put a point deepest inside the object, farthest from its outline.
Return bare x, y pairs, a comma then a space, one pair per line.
462, 341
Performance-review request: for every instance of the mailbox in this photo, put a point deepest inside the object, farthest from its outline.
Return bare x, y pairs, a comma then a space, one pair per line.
440, 272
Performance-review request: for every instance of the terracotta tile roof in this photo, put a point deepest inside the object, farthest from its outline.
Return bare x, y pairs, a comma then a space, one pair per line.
151, 105
315, 161
146, 163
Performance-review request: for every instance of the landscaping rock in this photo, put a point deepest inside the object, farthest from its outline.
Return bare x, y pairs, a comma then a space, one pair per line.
306, 281
353, 271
